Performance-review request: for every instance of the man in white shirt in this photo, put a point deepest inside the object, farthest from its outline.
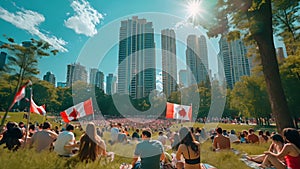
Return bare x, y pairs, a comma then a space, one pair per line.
65, 142
162, 138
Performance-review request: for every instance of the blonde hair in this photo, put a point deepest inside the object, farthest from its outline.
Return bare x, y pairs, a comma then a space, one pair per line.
89, 149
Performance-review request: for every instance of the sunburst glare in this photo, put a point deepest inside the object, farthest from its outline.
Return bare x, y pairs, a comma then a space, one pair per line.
193, 8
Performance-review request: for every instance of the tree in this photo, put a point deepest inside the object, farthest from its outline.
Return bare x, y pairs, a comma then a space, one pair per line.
253, 19
23, 61
285, 20
290, 73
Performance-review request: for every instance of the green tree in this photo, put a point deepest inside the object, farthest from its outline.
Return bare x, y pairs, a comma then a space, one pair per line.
290, 73
254, 19
23, 61
285, 21
249, 96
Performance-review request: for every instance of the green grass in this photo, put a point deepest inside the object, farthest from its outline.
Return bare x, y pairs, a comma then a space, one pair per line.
25, 158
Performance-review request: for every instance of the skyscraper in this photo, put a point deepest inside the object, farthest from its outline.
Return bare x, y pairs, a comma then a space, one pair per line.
136, 70
76, 72
110, 84
3, 56
49, 77
97, 78
183, 78
235, 61
169, 64
196, 59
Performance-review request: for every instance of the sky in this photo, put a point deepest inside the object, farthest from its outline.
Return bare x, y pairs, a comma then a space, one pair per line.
87, 31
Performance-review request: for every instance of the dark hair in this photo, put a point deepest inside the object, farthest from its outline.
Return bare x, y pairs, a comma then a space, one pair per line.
260, 132
219, 130
251, 130
277, 137
46, 125
69, 127
292, 136
187, 138
146, 133
268, 133
160, 133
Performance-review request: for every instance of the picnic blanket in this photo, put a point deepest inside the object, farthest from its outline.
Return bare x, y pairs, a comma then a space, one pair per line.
252, 164
203, 166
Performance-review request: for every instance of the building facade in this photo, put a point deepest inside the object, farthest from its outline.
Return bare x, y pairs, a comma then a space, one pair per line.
196, 59
50, 77
169, 63
97, 78
76, 72
3, 56
233, 56
136, 69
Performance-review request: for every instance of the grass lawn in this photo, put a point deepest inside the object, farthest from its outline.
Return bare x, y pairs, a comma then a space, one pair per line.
25, 158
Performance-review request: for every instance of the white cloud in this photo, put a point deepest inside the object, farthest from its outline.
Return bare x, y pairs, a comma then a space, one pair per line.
30, 20
85, 19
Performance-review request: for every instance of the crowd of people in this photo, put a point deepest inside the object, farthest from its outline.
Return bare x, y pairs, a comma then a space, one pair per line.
150, 153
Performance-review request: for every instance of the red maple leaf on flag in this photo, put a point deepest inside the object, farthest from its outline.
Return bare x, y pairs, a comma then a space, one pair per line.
182, 112
74, 114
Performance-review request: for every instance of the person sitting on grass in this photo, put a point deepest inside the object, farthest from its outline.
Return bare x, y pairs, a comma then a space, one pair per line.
91, 145
189, 149
43, 140
275, 147
221, 142
66, 143
252, 137
150, 151
290, 152
12, 136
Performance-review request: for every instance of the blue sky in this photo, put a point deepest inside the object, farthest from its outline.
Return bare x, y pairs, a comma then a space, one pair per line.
87, 31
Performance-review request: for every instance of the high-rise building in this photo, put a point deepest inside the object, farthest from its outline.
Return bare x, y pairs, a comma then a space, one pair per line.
183, 78
76, 72
3, 56
49, 77
136, 70
233, 55
196, 59
110, 84
97, 78
280, 55
169, 64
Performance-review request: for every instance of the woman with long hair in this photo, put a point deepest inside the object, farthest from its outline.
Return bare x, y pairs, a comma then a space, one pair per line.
290, 152
189, 149
91, 145
275, 147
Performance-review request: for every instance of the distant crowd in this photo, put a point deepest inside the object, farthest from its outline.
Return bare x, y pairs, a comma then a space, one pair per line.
149, 153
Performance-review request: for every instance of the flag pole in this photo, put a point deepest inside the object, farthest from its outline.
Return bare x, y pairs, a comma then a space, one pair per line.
28, 116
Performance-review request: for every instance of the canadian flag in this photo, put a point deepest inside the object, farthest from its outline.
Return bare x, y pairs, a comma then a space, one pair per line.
79, 110
37, 109
19, 95
177, 111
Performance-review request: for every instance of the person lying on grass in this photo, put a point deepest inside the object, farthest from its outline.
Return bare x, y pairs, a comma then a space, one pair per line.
275, 147
290, 152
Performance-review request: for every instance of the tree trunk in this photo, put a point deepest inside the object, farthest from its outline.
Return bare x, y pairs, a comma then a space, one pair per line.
261, 29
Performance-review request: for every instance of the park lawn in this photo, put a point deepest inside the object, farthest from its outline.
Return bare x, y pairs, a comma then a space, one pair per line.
25, 158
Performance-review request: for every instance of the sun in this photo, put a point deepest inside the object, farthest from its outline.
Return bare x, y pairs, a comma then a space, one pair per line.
193, 8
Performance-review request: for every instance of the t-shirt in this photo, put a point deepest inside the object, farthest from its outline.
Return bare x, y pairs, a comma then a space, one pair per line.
114, 133
150, 152
42, 140
64, 138
162, 139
